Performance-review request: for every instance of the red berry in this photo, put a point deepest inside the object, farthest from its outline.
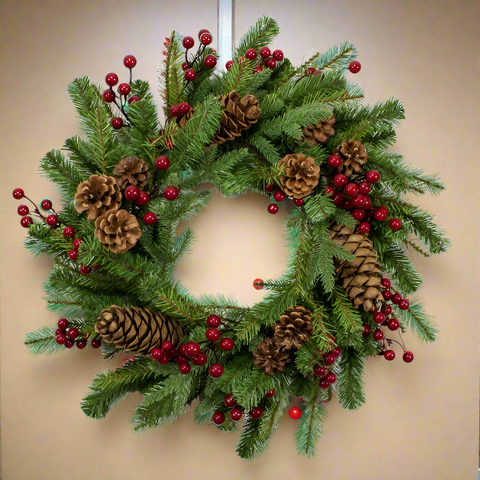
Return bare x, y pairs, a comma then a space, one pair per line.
26, 221
185, 66
130, 61
133, 99
202, 31
324, 384
364, 227
372, 176
227, 344
73, 332
111, 79
251, 54
117, 123
18, 194
132, 192
68, 232
46, 204
229, 401
270, 188
358, 214
192, 349
408, 357
184, 108
378, 317
366, 331
387, 310
212, 334
85, 269
329, 189
257, 70
368, 202
215, 370
218, 418
393, 324
311, 71
96, 343
265, 52
258, 284
404, 304
380, 215
386, 282
330, 359
270, 63
167, 346
149, 218
378, 335
156, 353
62, 323
73, 254
338, 199
298, 202
184, 368
58, 331
336, 352
256, 413
124, 89
279, 196
69, 343
108, 96
340, 180
188, 42
61, 338
206, 39
334, 161
348, 205
320, 371
389, 355
142, 199
358, 201
52, 220
96, 267
180, 359
171, 193
210, 61
229, 64
162, 163
163, 360
236, 414
331, 378
350, 189
395, 224
77, 242
175, 111
354, 67
294, 413
213, 321
272, 208
364, 188
396, 298
277, 55
200, 359
270, 393
183, 349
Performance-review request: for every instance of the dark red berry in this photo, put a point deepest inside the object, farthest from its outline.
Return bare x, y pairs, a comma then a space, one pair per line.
270, 188
358, 214
180, 359
336, 352
213, 321
46, 204
184, 368
111, 79
364, 227
69, 343
295, 413
404, 304
298, 202
200, 359
229, 64
85, 269
236, 414
133, 99
272, 208
393, 324
26, 221
18, 194
61, 338
408, 357
368, 202
324, 384
338, 199
277, 55
132, 192
192, 349
73, 332
206, 39
395, 224
218, 418
188, 43
149, 218
372, 176
52, 220
358, 201
354, 67
330, 359
229, 401
279, 196
210, 61
387, 310
329, 189
331, 378
389, 355
334, 161
77, 242
162, 163
108, 96
58, 331
311, 71
251, 54
215, 370
96, 343
364, 188
73, 254
378, 317
350, 189
117, 123
167, 346
124, 89
156, 353
396, 298
212, 334
171, 193
270, 63
256, 413
227, 344
68, 232
142, 199
62, 323
258, 284
366, 331
320, 371
185, 66
378, 335
257, 70
386, 282
175, 111
130, 61
380, 215
163, 360
340, 180
270, 393
265, 52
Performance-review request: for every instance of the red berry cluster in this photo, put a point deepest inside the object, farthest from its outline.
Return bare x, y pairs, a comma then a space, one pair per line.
180, 109
264, 57
279, 196
71, 336
322, 372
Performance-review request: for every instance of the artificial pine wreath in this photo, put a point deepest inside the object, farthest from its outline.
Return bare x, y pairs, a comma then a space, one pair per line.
265, 126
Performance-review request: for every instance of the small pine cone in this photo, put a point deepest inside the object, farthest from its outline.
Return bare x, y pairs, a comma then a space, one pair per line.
182, 120
360, 278
353, 155
97, 195
270, 357
319, 133
137, 329
131, 171
117, 230
299, 176
238, 114
294, 328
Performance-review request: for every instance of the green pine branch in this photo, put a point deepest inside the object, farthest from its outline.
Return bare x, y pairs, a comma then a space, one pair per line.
257, 36
309, 427
350, 384
419, 321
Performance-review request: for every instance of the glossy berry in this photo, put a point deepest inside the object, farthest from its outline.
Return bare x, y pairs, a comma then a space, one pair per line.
200, 359
257, 70
368, 202
358, 214
336, 352
117, 123
215, 370
350, 189
184, 368
62, 323
192, 349
133, 99
212, 334
387, 310
96, 343
270, 188
85, 270
378, 317
124, 89
180, 359
61, 338
324, 384
294, 413
277, 55
149, 218
408, 357
229, 401
236, 414
162, 163
380, 215
338, 199
256, 413
183, 349
358, 201
378, 335
132, 192
396, 298
265, 52
156, 353
111, 79
188, 43
298, 202
348, 205
404, 304
270, 63
163, 360
190, 75
279, 196
364, 188
18, 193
210, 61
73, 254
218, 418
310, 71
340, 180
364, 227
270, 393
229, 64
213, 321
227, 344
185, 66
334, 161
46, 204
272, 208
251, 54
184, 108
389, 355
77, 242
143, 199
395, 224
354, 67
108, 96
329, 190
206, 39
130, 61
366, 331
167, 346
320, 371
393, 324
331, 378
26, 221
73, 332
68, 232
372, 176
171, 193
69, 344
52, 220
330, 359
175, 111
258, 284
386, 282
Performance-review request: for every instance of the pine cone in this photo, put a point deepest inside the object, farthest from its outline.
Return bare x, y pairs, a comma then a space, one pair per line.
137, 329
239, 114
300, 175
270, 357
183, 119
294, 328
353, 155
97, 195
319, 133
118, 231
131, 171
360, 278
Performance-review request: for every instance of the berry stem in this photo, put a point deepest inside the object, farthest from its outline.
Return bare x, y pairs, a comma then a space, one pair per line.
37, 211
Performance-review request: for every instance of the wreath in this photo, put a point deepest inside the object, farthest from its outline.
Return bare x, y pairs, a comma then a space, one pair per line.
301, 137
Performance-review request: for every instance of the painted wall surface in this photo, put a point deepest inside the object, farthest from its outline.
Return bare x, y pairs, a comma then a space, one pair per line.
420, 420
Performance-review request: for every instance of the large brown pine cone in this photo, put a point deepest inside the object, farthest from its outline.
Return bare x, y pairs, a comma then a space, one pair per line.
97, 195
360, 278
239, 114
270, 357
319, 133
294, 328
117, 230
299, 176
131, 171
353, 155
137, 329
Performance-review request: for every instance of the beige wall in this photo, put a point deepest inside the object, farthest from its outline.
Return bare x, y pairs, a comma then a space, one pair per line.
421, 420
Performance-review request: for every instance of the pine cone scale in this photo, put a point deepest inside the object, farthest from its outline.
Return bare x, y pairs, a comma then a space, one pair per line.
131, 171
299, 176
118, 231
